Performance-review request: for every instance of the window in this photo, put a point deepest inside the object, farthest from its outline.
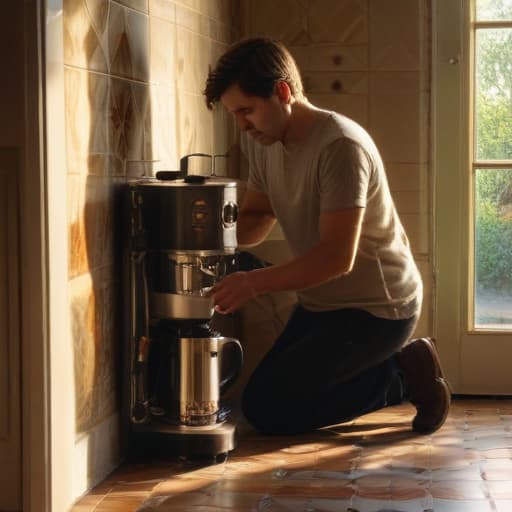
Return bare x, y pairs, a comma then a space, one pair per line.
492, 164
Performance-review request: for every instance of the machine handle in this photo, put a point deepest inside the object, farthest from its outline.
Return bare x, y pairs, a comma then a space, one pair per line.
184, 162
226, 382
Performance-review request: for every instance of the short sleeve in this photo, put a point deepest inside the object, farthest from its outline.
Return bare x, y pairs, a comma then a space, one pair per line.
255, 162
344, 173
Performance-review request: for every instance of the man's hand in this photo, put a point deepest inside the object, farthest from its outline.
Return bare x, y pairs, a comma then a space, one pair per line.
232, 292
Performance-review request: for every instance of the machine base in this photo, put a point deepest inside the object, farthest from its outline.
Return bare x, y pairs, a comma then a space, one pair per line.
209, 444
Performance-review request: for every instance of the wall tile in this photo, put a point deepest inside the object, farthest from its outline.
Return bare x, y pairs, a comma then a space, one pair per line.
404, 177
416, 227
91, 302
398, 82
193, 58
194, 124
164, 128
224, 135
350, 105
165, 9
191, 4
335, 83
163, 52
392, 48
288, 22
86, 34
410, 201
78, 262
399, 125
221, 10
87, 103
189, 19
140, 5
331, 57
335, 21
130, 122
128, 43
90, 221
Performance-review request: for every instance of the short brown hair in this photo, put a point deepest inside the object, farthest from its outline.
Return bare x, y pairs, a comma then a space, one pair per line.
256, 65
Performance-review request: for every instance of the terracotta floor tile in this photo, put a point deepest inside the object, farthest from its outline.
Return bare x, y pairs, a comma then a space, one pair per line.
373, 463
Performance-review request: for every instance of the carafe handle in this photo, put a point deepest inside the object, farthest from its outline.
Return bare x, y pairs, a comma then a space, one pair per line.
226, 382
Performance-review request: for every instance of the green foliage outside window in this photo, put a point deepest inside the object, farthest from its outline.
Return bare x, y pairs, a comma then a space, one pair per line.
493, 102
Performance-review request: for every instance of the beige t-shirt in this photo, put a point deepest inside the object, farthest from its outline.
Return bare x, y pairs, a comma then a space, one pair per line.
340, 167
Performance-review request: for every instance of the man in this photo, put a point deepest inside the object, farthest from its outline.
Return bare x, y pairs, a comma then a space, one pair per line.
344, 351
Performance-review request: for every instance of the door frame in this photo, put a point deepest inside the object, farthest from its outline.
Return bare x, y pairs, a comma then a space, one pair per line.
35, 339
473, 360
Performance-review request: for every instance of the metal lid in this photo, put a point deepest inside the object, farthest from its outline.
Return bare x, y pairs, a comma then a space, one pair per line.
191, 181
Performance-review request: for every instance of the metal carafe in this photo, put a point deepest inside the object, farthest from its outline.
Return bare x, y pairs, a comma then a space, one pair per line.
200, 381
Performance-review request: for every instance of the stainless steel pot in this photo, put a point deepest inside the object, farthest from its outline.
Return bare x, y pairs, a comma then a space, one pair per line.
200, 384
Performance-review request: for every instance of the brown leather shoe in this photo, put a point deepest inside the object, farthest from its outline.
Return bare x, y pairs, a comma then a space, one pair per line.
424, 379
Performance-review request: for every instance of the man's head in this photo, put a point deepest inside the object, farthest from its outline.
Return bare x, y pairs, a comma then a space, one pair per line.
256, 80
256, 65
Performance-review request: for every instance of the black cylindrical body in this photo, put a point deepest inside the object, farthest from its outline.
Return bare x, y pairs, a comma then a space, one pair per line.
181, 216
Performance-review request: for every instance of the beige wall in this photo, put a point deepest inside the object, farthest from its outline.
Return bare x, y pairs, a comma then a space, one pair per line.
134, 72
369, 60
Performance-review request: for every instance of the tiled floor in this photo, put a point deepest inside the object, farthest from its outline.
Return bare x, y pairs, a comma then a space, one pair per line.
373, 464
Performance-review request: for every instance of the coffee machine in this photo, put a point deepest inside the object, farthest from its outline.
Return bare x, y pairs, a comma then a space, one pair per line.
180, 239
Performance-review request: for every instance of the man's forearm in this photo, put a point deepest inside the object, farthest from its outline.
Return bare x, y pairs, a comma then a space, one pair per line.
253, 228
322, 263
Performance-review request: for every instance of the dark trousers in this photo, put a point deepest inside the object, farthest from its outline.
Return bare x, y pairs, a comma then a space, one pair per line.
326, 368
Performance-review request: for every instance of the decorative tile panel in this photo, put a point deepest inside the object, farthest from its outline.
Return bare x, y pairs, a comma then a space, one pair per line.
128, 43
87, 104
130, 122
91, 303
90, 221
86, 34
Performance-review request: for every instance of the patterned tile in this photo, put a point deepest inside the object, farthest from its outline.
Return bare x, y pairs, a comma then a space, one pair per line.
330, 471
86, 34
128, 43
87, 108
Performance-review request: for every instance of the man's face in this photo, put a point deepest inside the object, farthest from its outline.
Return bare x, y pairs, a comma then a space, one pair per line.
263, 119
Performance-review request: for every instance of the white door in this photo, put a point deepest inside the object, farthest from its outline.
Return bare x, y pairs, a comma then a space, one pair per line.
472, 114
10, 442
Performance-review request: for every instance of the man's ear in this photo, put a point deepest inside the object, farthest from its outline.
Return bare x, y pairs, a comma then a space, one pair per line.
283, 92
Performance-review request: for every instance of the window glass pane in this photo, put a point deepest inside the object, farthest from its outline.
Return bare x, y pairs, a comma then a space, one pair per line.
492, 10
493, 248
493, 94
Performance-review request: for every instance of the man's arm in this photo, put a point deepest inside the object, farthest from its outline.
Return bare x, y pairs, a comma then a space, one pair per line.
256, 218
333, 256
